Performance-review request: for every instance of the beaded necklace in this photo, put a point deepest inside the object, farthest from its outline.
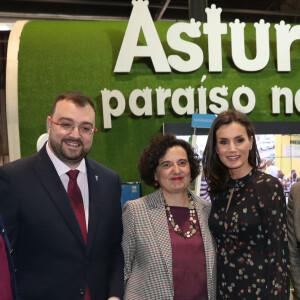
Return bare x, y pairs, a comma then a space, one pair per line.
193, 220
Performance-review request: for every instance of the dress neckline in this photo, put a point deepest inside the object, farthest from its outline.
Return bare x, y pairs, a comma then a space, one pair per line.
239, 182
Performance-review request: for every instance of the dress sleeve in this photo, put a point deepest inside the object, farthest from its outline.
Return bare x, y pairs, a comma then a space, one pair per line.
273, 204
128, 242
292, 215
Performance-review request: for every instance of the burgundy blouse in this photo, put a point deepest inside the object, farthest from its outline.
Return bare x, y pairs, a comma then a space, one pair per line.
5, 283
188, 257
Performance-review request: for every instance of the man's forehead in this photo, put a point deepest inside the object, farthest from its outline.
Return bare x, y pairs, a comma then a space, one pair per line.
63, 104
70, 109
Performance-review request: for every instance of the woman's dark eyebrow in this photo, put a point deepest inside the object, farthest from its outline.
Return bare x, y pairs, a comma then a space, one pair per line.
236, 137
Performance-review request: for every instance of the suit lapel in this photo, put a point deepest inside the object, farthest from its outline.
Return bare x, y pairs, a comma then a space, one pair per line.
45, 170
95, 188
159, 223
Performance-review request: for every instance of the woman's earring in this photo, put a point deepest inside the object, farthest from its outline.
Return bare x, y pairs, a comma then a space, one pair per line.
155, 183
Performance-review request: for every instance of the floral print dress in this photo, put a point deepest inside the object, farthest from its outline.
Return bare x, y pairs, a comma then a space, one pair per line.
252, 249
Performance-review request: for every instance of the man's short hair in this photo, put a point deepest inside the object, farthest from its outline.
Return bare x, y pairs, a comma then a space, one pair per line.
75, 96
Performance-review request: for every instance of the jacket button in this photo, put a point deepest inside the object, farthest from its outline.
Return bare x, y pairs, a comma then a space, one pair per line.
81, 292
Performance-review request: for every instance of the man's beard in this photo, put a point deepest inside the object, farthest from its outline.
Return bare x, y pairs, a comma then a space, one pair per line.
61, 153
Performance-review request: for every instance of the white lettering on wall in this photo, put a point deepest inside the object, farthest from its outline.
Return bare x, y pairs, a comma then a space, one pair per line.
284, 39
214, 96
236, 99
214, 30
189, 95
146, 95
141, 20
107, 110
194, 51
161, 96
202, 100
238, 46
285, 94
297, 100
243, 98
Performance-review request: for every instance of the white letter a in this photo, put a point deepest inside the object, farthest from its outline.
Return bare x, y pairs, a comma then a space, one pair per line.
140, 18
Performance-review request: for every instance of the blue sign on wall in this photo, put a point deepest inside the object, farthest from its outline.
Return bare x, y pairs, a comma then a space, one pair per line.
202, 120
130, 191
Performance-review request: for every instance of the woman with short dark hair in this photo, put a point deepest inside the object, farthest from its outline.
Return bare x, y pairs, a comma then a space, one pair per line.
168, 249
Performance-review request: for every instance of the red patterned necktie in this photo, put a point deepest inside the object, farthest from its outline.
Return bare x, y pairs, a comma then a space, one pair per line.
76, 201
77, 204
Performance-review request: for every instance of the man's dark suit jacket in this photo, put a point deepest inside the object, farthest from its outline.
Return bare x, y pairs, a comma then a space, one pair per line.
51, 258
9, 259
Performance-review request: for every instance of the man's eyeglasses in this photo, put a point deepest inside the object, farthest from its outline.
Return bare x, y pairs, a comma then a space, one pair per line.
85, 129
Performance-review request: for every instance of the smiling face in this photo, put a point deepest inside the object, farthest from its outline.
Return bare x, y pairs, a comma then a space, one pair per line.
233, 145
173, 171
70, 147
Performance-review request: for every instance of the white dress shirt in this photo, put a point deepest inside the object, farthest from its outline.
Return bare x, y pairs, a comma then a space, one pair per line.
82, 181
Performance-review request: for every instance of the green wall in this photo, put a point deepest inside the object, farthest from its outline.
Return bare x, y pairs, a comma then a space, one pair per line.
57, 56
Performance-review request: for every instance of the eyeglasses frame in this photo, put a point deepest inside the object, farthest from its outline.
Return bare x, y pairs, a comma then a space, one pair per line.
73, 125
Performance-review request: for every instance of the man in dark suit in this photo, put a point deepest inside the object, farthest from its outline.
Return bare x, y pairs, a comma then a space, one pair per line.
64, 250
7, 273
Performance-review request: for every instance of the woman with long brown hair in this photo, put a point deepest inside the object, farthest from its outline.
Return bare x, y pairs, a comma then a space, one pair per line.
248, 215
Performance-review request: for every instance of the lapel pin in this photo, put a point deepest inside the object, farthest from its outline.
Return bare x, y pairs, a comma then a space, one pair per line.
96, 177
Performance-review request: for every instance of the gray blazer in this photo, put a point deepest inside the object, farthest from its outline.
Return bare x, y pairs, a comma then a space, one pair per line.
148, 253
293, 222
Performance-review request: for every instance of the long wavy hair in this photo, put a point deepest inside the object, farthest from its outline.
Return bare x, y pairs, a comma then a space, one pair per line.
216, 173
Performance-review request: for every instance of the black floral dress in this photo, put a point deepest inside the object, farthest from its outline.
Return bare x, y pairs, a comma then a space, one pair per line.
252, 249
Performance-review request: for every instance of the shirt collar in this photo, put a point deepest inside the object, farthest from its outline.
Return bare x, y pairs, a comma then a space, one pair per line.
61, 167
